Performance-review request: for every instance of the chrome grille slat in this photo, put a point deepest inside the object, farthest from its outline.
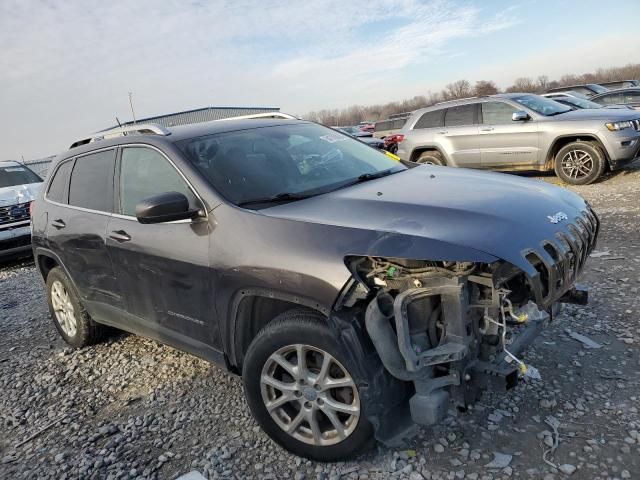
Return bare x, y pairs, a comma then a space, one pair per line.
14, 213
563, 257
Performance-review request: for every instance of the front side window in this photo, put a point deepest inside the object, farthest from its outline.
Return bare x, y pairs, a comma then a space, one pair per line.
58, 187
542, 105
611, 99
283, 161
460, 115
91, 184
13, 175
145, 172
496, 113
632, 97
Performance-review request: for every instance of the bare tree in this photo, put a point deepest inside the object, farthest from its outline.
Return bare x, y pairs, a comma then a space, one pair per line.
458, 89
485, 87
523, 84
542, 83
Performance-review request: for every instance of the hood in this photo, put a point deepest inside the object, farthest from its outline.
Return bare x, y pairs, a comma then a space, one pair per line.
19, 194
613, 114
498, 214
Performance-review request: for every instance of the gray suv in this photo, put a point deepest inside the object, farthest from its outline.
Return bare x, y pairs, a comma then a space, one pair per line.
520, 131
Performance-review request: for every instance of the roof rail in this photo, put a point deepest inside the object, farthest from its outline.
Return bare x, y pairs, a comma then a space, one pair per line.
280, 115
139, 129
456, 100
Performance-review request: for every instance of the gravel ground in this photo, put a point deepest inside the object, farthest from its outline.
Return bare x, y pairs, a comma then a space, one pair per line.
131, 408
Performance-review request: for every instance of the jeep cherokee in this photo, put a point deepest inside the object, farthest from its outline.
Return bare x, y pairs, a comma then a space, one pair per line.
522, 131
356, 295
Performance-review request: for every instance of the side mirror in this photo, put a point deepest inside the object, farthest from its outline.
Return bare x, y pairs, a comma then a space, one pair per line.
166, 207
520, 116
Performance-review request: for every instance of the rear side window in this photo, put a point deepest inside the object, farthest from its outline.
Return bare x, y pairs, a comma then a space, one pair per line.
632, 97
58, 187
91, 184
431, 119
144, 173
496, 113
460, 115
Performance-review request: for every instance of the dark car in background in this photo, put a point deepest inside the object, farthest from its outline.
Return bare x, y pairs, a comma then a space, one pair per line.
588, 89
620, 84
18, 188
629, 97
363, 136
356, 295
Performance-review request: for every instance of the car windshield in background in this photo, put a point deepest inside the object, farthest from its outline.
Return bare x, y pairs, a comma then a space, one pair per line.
579, 102
262, 166
13, 175
598, 88
542, 105
350, 130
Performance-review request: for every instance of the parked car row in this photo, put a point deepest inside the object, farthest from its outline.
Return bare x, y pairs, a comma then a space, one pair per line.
356, 295
522, 131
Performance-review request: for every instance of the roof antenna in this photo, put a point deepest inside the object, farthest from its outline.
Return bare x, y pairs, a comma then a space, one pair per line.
133, 114
119, 124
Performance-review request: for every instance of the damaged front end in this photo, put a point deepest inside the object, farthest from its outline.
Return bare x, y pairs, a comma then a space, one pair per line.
451, 329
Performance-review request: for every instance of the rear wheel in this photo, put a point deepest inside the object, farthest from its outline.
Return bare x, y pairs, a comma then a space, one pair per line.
302, 390
431, 157
69, 316
580, 163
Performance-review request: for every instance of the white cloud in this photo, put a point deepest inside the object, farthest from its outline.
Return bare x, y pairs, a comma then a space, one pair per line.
67, 66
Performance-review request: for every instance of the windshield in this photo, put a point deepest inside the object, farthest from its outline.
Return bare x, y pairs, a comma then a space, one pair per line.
581, 103
598, 88
542, 105
13, 175
298, 160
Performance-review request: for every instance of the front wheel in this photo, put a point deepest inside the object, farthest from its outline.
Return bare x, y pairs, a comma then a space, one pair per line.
580, 163
302, 391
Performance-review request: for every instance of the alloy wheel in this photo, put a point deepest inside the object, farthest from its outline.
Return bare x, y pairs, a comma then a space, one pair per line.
310, 395
63, 308
577, 164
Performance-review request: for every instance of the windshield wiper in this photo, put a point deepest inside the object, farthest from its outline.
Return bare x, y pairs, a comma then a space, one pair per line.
558, 113
280, 197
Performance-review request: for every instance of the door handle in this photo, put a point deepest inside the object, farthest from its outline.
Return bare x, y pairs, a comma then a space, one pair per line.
442, 132
487, 129
120, 236
59, 223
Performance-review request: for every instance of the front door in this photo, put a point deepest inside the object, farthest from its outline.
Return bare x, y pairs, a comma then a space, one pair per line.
163, 269
504, 143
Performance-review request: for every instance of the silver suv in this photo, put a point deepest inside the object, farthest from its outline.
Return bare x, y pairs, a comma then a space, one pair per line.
521, 131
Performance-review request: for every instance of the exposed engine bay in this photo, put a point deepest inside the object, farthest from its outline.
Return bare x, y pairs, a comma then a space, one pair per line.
452, 329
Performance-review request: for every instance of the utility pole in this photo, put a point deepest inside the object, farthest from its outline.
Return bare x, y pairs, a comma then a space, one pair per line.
131, 104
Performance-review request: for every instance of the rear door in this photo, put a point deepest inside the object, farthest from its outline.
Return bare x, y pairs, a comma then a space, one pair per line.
76, 224
163, 268
459, 136
504, 143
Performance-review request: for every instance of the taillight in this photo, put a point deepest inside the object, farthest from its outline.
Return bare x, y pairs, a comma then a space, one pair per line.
399, 138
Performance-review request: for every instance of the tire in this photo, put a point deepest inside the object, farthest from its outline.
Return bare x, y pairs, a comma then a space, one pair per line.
288, 334
580, 163
69, 316
431, 157
393, 148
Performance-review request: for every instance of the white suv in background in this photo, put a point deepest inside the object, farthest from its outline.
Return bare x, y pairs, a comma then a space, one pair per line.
18, 188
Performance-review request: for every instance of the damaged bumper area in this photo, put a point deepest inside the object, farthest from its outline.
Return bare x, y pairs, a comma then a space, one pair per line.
452, 329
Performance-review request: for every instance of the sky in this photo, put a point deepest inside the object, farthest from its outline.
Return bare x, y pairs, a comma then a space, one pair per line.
66, 68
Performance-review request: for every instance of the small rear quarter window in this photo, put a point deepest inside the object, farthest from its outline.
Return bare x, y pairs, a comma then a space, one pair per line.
58, 191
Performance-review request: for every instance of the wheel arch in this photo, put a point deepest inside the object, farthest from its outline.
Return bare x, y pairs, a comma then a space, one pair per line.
254, 308
563, 140
428, 148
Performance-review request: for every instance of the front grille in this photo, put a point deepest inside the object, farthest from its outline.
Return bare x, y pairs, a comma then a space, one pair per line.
14, 213
636, 124
562, 258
